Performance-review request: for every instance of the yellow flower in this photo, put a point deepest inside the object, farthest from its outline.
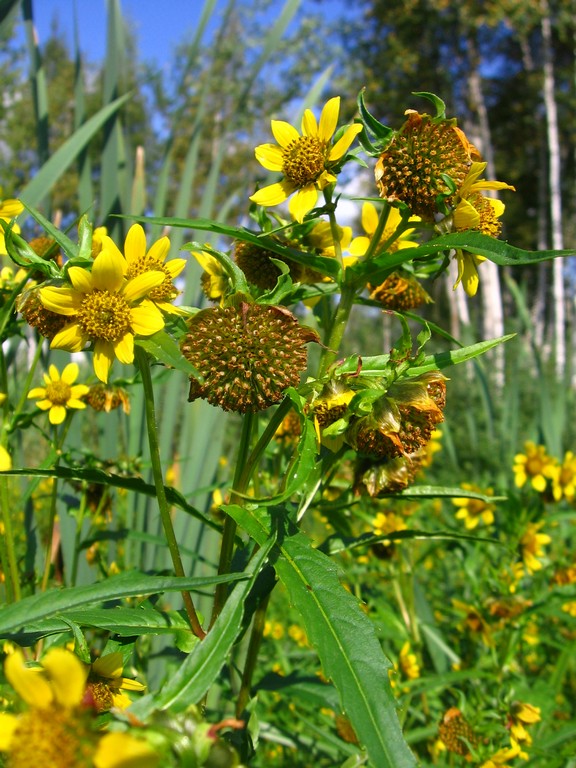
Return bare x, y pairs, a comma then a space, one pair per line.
534, 465
55, 730
141, 261
476, 211
305, 160
106, 686
5, 460
60, 392
502, 756
9, 209
570, 608
360, 245
105, 308
214, 280
521, 715
472, 511
387, 522
564, 478
408, 662
320, 238
532, 544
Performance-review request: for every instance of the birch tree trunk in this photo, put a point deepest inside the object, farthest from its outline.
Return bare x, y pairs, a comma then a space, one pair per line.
555, 188
491, 293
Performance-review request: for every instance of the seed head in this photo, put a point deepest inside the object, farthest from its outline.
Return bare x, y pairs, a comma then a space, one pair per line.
248, 355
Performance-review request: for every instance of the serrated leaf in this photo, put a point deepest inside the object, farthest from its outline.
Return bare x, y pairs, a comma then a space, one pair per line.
162, 347
203, 665
342, 634
60, 601
327, 266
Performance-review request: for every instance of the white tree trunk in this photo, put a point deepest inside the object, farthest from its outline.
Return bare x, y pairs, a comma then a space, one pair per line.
555, 189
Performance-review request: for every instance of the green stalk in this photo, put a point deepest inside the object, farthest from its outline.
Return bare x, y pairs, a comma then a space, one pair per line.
8, 548
141, 359
240, 484
256, 636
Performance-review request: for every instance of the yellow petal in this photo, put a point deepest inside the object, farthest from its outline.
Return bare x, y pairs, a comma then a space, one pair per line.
8, 724
29, 683
359, 246
103, 359
369, 218
284, 133
70, 338
142, 284
174, 267
78, 390
70, 373
110, 245
44, 405
67, 675
497, 206
466, 216
124, 349
53, 374
57, 414
81, 280
108, 271
10, 208
5, 466
120, 750
146, 319
63, 301
135, 243
159, 250
302, 202
132, 685
109, 666
270, 156
329, 119
274, 194
343, 144
467, 273
309, 123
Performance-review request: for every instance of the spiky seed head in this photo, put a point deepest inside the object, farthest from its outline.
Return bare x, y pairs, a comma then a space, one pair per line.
46, 322
411, 169
247, 354
257, 265
455, 731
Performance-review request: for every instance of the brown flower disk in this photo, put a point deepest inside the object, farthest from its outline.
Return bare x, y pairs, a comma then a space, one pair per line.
411, 167
258, 267
248, 355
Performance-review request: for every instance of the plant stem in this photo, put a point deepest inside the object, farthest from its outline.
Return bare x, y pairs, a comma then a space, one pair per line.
240, 483
141, 359
252, 655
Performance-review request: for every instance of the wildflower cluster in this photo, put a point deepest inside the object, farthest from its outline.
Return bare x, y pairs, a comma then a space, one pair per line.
329, 441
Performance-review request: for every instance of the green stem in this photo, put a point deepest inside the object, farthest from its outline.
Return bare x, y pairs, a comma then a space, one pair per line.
240, 484
256, 636
141, 359
337, 327
334, 228
8, 550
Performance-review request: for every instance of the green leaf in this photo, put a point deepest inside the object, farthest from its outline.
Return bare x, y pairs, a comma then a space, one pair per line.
203, 665
135, 484
162, 347
381, 133
58, 163
379, 365
60, 601
326, 266
342, 634
436, 100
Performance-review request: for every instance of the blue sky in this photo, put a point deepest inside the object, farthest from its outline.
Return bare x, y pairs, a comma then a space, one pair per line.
158, 25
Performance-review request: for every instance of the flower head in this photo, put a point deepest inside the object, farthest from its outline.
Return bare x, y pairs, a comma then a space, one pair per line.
106, 308
305, 160
534, 465
520, 716
214, 280
248, 355
60, 392
55, 731
456, 732
106, 687
9, 209
472, 511
531, 545
564, 478
477, 212
414, 166
408, 662
360, 245
141, 260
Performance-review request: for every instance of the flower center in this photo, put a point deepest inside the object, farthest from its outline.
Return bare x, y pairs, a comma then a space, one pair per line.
58, 392
163, 292
104, 315
51, 739
304, 160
